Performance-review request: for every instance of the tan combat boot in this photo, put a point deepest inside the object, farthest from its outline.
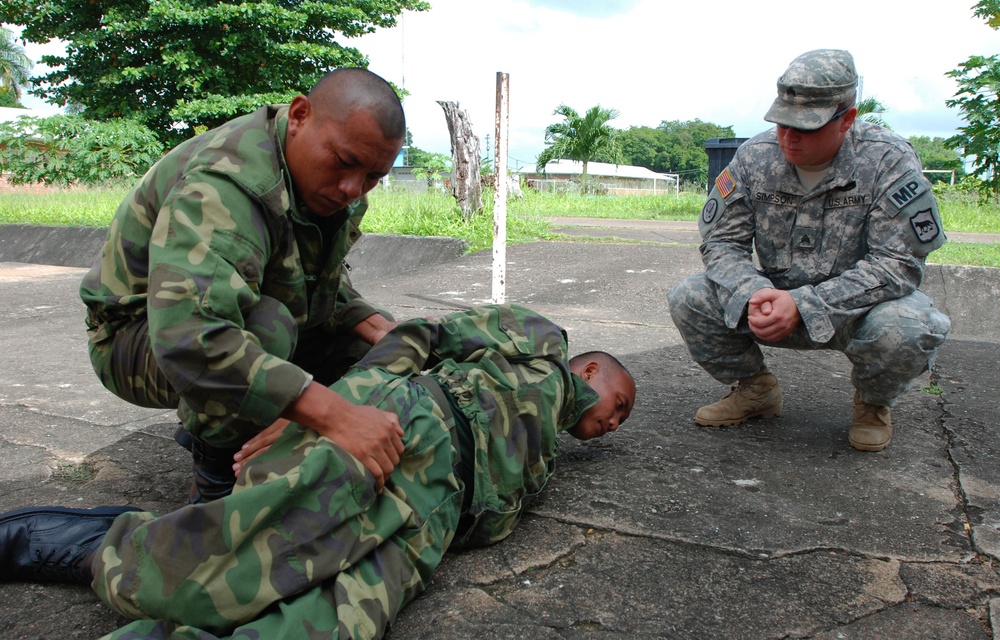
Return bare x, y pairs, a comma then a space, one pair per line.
758, 396
871, 426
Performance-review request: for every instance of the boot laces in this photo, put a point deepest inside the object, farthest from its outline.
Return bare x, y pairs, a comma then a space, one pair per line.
57, 565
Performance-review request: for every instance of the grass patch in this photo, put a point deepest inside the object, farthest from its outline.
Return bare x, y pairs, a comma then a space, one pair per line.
685, 206
396, 211
58, 207
71, 473
967, 253
964, 212
436, 214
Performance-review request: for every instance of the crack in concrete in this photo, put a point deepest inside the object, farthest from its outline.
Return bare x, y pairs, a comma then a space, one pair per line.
961, 496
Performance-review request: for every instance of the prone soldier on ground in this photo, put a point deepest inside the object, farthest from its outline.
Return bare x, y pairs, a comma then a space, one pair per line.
306, 545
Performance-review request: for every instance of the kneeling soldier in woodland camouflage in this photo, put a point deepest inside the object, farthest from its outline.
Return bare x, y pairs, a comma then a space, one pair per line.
481, 396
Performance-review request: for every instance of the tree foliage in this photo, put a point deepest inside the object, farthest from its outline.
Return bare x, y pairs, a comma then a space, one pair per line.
66, 150
177, 64
871, 110
936, 154
583, 138
673, 147
978, 81
14, 69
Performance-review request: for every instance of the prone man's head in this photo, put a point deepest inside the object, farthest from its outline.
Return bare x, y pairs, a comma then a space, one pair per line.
612, 381
342, 139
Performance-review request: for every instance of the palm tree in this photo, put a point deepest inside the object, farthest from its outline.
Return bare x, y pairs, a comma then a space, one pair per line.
870, 109
14, 66
581, 138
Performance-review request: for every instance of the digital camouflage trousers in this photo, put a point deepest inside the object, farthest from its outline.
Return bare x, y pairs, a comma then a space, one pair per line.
889, 346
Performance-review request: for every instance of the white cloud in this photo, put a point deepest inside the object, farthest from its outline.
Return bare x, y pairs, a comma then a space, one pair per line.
655, 60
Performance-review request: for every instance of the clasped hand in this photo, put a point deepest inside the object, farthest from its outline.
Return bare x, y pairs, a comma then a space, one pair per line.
772, 314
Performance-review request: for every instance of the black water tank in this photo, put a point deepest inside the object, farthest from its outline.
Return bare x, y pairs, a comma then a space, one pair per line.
720, 152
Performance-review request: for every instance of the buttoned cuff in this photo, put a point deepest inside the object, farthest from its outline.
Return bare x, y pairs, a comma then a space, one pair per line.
736, 306
814, 313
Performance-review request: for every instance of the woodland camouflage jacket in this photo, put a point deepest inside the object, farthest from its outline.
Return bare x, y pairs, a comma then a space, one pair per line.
507, 369
212, 248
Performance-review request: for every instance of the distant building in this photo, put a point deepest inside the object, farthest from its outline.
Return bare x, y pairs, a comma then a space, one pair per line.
613, 179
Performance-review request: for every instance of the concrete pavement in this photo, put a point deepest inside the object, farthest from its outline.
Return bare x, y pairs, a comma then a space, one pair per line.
775, 529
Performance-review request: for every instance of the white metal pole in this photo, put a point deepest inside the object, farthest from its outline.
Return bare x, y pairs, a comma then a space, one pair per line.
500, 191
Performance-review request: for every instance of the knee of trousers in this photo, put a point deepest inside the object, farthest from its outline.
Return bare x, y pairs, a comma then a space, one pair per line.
694, 303
899, 337
911, 322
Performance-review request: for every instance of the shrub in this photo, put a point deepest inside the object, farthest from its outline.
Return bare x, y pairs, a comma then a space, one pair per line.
68, 149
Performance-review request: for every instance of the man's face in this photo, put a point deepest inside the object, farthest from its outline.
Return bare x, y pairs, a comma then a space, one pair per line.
334, 161
814, 149
617, 391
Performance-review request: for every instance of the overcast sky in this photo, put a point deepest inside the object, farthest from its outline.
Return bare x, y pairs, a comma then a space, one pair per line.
656, 60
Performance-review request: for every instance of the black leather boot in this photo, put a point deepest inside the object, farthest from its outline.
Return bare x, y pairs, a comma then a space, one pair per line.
213, 468
52, 544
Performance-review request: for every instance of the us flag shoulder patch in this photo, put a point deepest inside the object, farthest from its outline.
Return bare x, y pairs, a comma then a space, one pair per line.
725, 183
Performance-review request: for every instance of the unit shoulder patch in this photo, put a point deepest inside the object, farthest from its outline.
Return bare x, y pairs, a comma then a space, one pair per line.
925, 226
709, 211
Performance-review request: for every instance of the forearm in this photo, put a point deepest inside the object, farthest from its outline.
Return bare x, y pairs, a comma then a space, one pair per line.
318, 408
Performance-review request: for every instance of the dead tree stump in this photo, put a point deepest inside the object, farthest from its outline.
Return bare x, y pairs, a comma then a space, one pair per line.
465, 184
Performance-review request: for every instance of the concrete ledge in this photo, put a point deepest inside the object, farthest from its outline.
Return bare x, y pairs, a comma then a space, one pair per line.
373, 256
57, 246
376, 255
969, 295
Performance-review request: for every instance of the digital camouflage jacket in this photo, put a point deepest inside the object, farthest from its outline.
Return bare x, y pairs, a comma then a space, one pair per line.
860, 237
212, 249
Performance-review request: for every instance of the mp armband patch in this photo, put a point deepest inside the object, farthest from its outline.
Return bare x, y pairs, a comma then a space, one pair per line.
905, 192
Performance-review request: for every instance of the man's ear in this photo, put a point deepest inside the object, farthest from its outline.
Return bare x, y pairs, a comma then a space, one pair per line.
848, 120
590, 370
298, 113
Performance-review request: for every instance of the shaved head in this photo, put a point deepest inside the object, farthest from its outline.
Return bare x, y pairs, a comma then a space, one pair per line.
607, 361
343, 92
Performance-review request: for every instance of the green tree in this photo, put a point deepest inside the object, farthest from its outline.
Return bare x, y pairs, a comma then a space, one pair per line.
871, 110
67, 149
936, 154
978, 80
582, 138
177, 64
673, 147
14, 69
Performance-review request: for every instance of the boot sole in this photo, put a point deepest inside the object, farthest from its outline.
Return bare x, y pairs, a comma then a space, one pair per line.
763, 415
868, 447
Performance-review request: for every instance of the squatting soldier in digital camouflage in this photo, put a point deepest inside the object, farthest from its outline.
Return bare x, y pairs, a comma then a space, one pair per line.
306, 546
221, 289
841, 220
